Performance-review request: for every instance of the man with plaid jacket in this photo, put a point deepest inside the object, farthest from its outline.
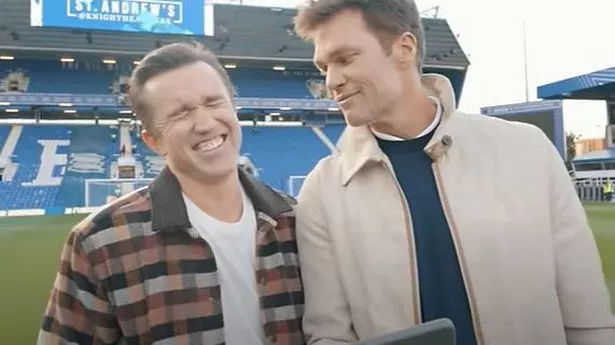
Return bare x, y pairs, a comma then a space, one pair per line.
206, 254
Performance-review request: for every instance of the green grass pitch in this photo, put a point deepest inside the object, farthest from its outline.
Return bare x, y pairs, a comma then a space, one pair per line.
30, 247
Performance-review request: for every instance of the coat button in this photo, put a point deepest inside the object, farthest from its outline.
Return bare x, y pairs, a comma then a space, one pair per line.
446, 140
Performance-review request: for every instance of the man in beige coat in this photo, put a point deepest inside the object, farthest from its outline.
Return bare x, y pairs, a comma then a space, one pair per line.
425, 212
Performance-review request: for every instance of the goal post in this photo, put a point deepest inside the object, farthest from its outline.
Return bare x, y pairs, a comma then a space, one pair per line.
99, 192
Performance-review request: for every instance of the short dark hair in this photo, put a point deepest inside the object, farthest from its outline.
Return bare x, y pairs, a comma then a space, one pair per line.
162, 60
387, 19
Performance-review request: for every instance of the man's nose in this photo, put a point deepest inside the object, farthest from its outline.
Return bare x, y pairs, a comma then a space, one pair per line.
203, 121
334, 79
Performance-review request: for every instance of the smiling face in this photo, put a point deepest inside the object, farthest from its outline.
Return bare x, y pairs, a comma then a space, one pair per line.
362, 77
194, 123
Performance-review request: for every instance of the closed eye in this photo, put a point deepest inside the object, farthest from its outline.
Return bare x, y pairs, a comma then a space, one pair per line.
214, 101
183, 111
337, 59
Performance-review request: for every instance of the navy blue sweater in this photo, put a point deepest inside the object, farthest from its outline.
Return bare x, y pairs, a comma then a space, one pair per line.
442, 291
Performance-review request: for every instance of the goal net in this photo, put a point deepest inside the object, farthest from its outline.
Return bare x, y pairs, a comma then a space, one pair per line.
99, 192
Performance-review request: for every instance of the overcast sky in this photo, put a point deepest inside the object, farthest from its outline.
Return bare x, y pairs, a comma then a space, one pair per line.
564, 39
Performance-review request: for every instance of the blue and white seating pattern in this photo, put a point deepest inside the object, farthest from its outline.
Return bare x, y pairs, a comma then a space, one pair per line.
50, 164
51, 76
53, 162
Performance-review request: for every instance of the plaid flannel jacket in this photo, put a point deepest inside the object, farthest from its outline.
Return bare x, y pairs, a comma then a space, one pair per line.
137, 273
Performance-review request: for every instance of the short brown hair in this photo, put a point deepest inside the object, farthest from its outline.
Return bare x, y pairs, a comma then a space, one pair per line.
164, 59
387, 19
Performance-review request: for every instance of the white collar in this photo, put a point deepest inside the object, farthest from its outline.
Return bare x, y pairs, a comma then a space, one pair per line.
426, 131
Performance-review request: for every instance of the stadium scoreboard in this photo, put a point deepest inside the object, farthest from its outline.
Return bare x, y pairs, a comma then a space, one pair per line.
546, 115
180, 17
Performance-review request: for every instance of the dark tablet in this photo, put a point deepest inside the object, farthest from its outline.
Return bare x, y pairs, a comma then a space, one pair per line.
436, 332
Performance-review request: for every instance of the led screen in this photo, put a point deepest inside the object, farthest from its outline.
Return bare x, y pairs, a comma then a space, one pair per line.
182, 17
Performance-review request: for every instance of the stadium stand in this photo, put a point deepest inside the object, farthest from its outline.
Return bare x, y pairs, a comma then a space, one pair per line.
70, 86
90, 155
333, 132
47, 76
52, 163
52, 76
148, 161
4, 156
40, 157
596, 167
280, 152
240, 30
92, 152
41, 76
249, 83
4, 133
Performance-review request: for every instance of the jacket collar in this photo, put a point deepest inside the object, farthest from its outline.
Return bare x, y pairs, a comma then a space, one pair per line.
357, 145
169, 210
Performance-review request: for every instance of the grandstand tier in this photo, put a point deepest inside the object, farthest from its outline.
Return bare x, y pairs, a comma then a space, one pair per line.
64, 94
49, 164
97, 78
39, 157
90, 156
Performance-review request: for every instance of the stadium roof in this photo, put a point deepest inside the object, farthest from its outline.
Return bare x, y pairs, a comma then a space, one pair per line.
244, 32
599, 85
596, 156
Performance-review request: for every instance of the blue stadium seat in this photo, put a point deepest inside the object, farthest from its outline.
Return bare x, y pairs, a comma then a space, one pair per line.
269, 84
150, 161
55, 161
4, 133
41, 154
334, 132
51, 76
281, 152
90, 155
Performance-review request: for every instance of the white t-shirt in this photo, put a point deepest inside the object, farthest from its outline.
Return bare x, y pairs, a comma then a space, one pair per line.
234, 246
